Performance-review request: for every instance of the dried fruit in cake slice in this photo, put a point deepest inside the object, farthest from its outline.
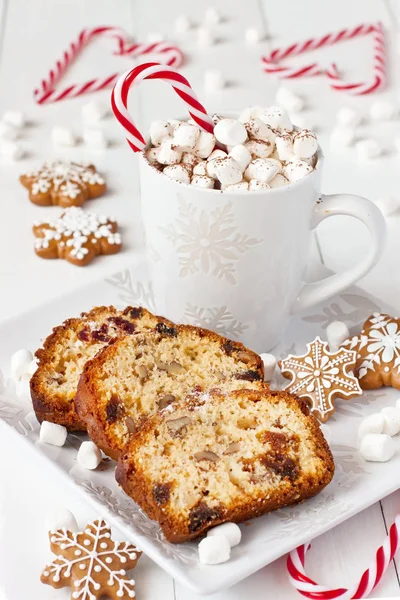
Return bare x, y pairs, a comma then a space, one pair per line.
65, 352
138, 375
224, 457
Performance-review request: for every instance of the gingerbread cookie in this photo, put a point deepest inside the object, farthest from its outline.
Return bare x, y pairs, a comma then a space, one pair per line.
378, 352
91, 563
320, 376
77, 236
63, 183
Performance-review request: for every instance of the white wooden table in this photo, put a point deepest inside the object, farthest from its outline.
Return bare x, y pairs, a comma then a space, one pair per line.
32, 35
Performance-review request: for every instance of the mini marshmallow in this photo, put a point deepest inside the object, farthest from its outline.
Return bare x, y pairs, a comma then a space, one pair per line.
212, 16
205, 37
230, 531
205, 144
185, 137
11, 150
277, 118
382, 110
377, 447
217, 154
242, 186
305, 144
372, 424
154, 37
202, 181
343, 136
336, 333
289, 100
89, 456
388, 205
262, 169
62, 136
200, 168
61, 519
278, 181
259, 149
296, 170
391, 417
348, 117
214, 550
93, 112
178, 173
167, 154
51, 433
255, 185
242, 156
182, 24
253, 35
230, 132
20, 363
190, 160
258, 130
95, 138
8, 131
152, 155
227, 171
284, 146
159, 131
269, 362
213, 81
251, 112
368, 149
14, 118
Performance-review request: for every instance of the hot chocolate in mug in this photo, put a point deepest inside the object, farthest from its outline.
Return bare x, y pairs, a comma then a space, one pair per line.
234, 262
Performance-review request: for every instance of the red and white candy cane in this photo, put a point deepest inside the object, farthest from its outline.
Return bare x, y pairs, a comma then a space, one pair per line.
119, 99
47, 91
378, 80
369, 579
270, 62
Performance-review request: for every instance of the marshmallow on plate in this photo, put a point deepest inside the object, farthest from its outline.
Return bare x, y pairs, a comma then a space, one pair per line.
391, 417
258, 130
377, 447
305, 144
296, 170
284, 146
227, 171
159, 131
336, 333
214, 550
62, 136
262, 169
89, 455
242, 155
186, 136
230, 531
178, 173
343, 136
253, 35
94, 111
269, 362
372, 424
278, 181
53, 434
382, 110
95, 138
15, 118
255, 185
168, 154
259, 149
368, 148
242, 186
205, 144
277, 118
213, 81
202, 181
230, 132
61, 519
20, 363
348, 116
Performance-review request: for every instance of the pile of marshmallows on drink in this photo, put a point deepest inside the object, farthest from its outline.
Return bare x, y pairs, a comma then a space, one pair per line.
258, 151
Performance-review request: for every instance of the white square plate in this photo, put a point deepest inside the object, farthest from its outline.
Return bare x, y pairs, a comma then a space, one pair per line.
356, 484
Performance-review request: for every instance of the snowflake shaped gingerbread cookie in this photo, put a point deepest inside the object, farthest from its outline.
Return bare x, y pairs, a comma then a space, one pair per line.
378, 352
77, 236
91, 563
320, 376
63, 183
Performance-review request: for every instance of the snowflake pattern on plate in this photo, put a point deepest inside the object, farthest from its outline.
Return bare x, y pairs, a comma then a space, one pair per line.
208, 243
91, 563
218, 319
320, 376
378, 352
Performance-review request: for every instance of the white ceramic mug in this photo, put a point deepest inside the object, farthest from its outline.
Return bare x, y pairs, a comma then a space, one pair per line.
235, 262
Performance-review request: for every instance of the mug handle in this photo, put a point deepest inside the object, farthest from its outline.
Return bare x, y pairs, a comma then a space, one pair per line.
366, 212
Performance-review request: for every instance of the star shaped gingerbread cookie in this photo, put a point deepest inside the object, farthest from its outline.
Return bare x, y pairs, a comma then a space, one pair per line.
378, 352
91, 563
63, 183
320, 376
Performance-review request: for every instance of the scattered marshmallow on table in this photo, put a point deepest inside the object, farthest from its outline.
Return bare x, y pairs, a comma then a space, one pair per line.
61, 519
377, 447
230, 132
391, 417
348, 116
336, 333
94, 138
62, 136
368, 149
388, 205
154, 37
11, 150
182, 24
94, 111
343, 136
269, 362
178, 173
372, 424
382, 110
253, 35
89, 456
205, 37
20, 363
212, 16
213, 80
230, 531
8, 131
53, 434
15, 118
214, 550
289, 100
305, 144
